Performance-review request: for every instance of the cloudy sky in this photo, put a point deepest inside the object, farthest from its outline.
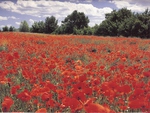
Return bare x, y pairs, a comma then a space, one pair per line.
12, 12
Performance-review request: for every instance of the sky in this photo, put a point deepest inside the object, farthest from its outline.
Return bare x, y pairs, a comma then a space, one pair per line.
12, 12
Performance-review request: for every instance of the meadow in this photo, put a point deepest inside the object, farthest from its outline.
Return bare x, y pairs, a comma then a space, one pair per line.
68, 73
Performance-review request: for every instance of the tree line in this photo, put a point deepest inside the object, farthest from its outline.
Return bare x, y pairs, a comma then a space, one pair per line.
122, 22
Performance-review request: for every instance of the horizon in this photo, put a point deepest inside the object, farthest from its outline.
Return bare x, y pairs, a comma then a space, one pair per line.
13, 12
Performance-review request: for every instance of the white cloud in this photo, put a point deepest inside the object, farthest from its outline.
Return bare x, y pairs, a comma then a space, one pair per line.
44, 8
31, 21
47, 16
140, 2
58, 9
8, 25
3, 18
18, 23
135, 6
1, 26
12, 17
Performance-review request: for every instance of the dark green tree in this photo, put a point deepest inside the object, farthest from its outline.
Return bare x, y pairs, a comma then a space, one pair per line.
11, 29
41, 25
126, 23
76, 20
5, 29
126, 28
35, 27
112, 25
50, 24
144, 19
24, 27
38, 27
60, 30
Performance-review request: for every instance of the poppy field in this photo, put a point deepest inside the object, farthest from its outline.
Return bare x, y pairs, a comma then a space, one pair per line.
68, 73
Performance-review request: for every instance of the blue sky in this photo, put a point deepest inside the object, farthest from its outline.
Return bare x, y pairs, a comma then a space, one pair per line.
12, 12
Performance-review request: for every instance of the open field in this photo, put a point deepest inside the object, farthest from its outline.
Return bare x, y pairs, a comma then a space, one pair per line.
60, 73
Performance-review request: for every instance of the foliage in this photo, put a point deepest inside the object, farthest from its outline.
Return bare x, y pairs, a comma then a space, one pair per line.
24, 27
50, 24
122, 22
125, 23
84, 31
38, 27
5, 28
76, 20
11, 28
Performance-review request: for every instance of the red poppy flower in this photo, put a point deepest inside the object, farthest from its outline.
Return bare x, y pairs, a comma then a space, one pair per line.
82, 78
125, 89
92, 107
146, 74
79, 95
14, 89
46, 96
73, 103
88, 91
9, 57
41, 110
24, 96
123, 107
61, 94
138, 92
51, 103
6, 104
16, 55
50, 86
135, 104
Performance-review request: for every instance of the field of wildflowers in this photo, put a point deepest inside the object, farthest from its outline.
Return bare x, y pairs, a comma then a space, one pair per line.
60, 73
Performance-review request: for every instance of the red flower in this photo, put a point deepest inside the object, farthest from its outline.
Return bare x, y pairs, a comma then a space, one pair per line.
51, 103
82, 78
41, 110
14, 89
46, 96
9, 57
50, 85
6, 104
24, 96
16, 55
125, 89
147, 74
92, 107
79, 95
88, 91
73, 103
135, 104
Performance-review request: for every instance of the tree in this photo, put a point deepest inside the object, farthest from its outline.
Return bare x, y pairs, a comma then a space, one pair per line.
127, 27
144, 19
5, 29
11, 29
76, 20
50, 24
114, 22
41, 25
84, 31
60, 30
38, 27
126, 23
24, 27
35, 27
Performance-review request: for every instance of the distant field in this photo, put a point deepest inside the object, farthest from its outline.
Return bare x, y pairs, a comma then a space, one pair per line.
68, 73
